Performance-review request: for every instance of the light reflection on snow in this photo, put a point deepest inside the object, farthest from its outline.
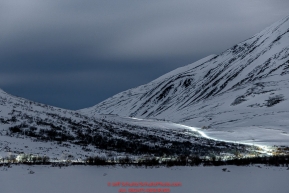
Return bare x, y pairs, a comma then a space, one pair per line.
265, 148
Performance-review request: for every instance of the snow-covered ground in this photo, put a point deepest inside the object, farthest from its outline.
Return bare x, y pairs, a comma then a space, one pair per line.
54, 150
33, 128
75, 179
252, 135
258, 136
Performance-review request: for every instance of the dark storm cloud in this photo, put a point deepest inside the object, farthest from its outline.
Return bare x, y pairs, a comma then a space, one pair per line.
74, 54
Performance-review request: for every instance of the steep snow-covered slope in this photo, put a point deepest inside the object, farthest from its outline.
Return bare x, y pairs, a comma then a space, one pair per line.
245, 87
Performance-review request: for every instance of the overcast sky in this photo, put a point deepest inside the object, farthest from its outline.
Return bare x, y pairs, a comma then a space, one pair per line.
75, 53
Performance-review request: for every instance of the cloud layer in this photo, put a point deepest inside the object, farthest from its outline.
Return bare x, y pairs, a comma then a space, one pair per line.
73, 54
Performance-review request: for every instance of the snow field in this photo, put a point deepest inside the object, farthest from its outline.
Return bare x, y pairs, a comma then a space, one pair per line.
75, 179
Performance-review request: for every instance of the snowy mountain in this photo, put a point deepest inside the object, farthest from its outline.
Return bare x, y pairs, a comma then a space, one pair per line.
239, 94
33, 128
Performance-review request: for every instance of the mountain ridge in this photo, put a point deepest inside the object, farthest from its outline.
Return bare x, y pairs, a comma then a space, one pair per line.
244, 86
